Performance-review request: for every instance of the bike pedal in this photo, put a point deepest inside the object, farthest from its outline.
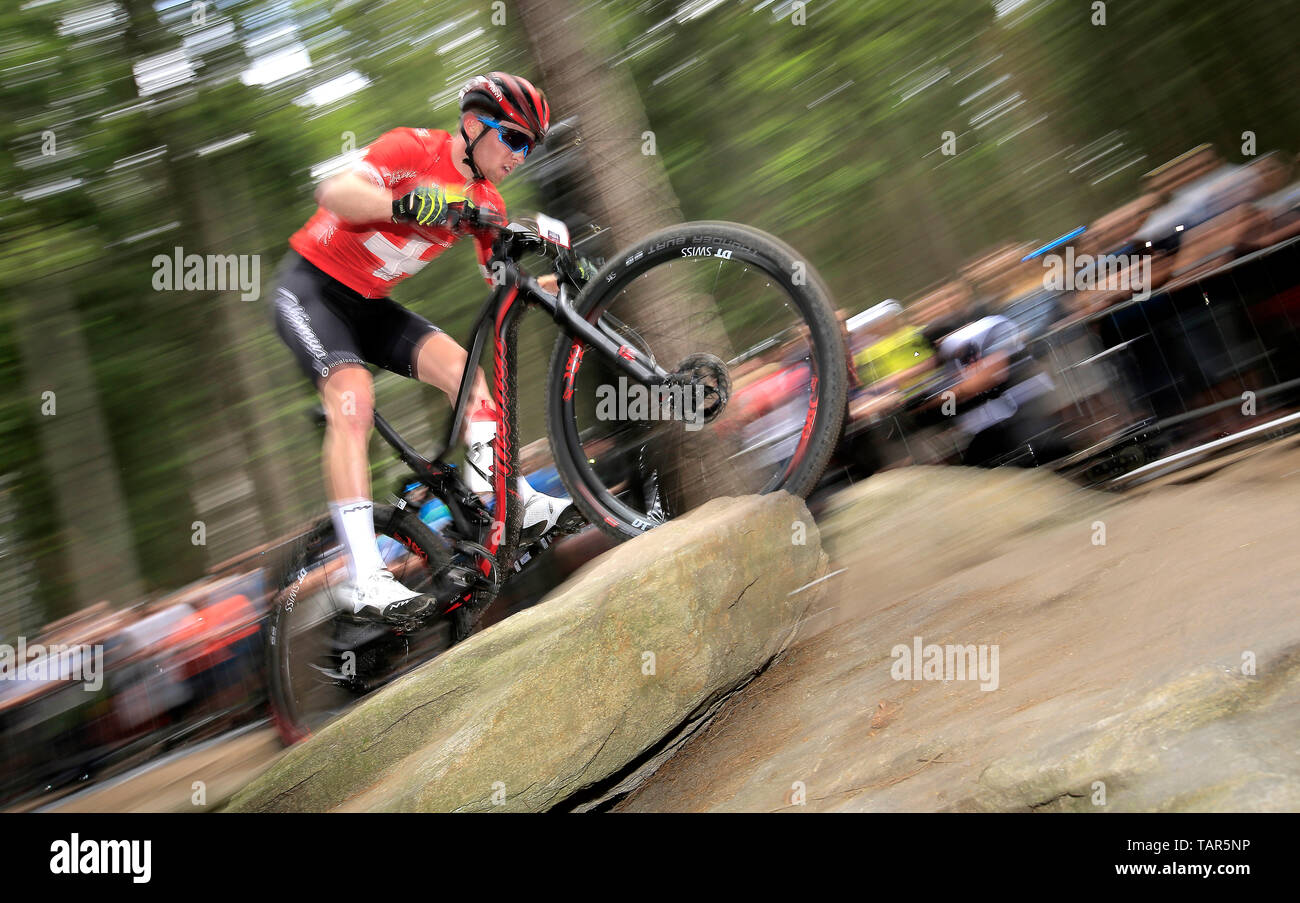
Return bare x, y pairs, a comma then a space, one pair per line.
530, 535
571, 521
367, 625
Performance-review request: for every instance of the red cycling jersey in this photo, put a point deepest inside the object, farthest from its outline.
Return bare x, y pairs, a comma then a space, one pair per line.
371, 258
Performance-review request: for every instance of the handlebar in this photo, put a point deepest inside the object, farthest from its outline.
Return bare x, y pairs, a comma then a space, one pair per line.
510, 241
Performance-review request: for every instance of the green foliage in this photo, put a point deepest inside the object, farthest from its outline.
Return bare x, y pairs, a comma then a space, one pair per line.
825, 133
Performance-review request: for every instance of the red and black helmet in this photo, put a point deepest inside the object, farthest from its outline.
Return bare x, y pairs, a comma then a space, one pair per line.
508, 98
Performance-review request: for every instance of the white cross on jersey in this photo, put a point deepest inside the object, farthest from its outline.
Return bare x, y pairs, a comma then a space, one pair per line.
397, 261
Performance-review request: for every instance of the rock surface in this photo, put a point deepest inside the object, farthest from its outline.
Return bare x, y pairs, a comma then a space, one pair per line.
1157, 671
562, 697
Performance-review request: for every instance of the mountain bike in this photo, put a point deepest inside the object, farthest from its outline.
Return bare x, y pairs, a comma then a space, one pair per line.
650, 348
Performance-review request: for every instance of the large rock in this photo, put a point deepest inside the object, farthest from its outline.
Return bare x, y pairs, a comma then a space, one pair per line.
558, 699
1157, 670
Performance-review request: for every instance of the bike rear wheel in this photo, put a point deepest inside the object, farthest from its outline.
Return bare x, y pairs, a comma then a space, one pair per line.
320, 658
748, 327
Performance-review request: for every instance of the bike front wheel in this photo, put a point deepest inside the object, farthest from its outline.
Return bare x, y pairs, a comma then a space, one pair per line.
760, 374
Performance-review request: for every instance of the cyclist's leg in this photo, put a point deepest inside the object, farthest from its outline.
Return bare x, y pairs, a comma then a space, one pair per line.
322, 323
403, 342
324, 343
320, 338
440, 362
347, 395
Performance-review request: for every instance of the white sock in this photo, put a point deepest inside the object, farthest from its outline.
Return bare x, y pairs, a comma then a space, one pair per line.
354, 522
483, 432
478, 456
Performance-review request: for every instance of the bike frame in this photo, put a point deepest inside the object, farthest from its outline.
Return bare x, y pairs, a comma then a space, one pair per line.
514, 292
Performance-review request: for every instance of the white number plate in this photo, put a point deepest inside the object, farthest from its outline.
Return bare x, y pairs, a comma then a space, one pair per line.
553, 230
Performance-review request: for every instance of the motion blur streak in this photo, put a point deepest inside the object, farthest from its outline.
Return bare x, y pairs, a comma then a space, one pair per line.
152, 443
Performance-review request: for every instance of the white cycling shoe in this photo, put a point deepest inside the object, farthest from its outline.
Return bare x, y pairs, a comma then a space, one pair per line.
380, 594
541, 513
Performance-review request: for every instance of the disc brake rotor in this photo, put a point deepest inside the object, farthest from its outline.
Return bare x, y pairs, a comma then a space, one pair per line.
705, 375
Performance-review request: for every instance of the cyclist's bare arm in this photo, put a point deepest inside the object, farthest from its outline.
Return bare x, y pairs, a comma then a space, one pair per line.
355, 199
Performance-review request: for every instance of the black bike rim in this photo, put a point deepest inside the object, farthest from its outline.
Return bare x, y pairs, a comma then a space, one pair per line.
629, 520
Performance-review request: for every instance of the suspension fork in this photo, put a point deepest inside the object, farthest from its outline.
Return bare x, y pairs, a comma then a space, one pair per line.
587, 334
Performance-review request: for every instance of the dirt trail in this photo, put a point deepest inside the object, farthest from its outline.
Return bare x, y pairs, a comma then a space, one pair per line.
221, 766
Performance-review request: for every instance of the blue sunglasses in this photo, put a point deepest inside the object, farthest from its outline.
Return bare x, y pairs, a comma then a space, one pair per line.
515, 140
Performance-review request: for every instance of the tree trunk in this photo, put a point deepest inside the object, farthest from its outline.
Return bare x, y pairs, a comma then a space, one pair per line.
20, 613
629, 193
99, 546
248, 419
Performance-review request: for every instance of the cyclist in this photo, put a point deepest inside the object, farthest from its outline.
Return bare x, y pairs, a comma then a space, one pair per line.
397, 209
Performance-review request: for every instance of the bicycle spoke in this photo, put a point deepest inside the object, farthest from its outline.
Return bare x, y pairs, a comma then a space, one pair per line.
739, 309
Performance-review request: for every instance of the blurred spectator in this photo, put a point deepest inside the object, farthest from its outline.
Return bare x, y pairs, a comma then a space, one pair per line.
217, 650
1113, 235
943, 310
1000, 393
999, 276
894, 363
1209, 217
1281, 205
842, 318
151, 686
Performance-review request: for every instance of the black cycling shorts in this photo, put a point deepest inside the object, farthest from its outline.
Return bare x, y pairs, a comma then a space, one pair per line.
326, 324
